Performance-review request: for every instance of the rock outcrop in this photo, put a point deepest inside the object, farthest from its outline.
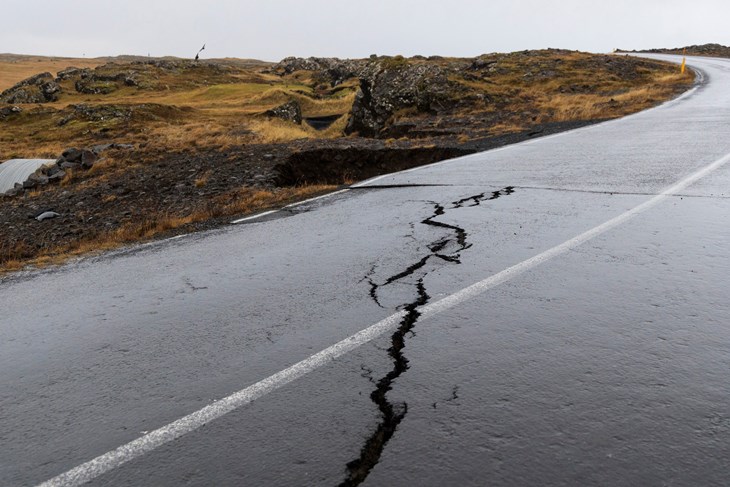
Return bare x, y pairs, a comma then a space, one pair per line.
41, 88
387, 84
714, 50
289, 111
390, 86
329, 70
93, 83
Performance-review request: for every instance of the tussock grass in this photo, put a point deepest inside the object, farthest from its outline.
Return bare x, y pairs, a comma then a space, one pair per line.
568, 107
271, 131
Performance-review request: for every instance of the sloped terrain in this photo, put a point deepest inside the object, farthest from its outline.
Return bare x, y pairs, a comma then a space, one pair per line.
179, 145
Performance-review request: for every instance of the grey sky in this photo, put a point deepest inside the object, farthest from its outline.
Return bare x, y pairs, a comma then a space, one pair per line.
274, 29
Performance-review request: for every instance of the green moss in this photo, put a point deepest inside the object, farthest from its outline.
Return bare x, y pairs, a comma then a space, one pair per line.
395, 62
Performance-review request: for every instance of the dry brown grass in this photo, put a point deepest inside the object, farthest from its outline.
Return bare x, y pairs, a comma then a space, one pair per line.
18, 68
218, 115
203, 180
569, 107
242, 201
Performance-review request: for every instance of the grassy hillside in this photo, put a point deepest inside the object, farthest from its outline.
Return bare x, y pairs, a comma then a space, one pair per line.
204, 141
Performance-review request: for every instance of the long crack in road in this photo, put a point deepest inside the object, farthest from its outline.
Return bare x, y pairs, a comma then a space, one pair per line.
393, 414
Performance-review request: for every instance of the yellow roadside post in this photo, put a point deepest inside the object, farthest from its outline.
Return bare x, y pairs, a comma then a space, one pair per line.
684, 61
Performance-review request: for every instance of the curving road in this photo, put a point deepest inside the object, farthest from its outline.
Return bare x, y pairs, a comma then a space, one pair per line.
550, 313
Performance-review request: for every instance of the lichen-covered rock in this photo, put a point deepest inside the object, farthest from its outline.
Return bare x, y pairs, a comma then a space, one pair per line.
41, 88
394, 84
387, 84
329, 70
72, 72
290, 111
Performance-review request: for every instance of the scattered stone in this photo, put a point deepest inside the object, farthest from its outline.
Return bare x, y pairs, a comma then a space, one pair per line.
47, 215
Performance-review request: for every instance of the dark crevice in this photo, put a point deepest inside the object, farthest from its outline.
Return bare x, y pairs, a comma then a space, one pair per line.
408, 271
393, 414
461, 234
374, 292
477, 199
449, 258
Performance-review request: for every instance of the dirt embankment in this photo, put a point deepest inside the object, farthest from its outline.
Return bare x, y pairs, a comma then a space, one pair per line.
195, 144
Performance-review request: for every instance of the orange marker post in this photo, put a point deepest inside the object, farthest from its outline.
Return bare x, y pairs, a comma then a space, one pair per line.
684, 61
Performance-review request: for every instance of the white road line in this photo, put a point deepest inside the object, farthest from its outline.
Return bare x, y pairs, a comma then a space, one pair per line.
292, 205
252, 217
299, 203
115, 458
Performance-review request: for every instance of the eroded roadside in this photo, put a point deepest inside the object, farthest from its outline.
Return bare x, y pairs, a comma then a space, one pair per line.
115, 205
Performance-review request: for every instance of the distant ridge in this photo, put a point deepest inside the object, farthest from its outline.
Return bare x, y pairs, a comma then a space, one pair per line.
126, 58
712, 50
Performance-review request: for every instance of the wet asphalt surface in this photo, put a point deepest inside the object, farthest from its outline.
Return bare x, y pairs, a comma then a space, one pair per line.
606, 365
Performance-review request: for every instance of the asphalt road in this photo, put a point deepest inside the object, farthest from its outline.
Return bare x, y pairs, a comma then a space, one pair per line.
551, 313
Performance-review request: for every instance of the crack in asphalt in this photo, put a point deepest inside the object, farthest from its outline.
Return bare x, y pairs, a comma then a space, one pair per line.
477, 199
392, 414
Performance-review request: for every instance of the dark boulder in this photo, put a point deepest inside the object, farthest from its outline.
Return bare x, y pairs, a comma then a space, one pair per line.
73, 158
88, 158
6, 112
72, 155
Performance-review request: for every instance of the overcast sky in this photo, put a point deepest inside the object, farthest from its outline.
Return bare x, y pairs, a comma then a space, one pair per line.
273, 29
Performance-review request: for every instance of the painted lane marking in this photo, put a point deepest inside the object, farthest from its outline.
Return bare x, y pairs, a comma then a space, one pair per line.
253, 217
292, 205
145, 444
